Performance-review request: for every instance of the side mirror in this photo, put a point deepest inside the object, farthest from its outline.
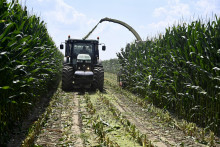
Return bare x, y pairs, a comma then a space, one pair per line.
61, 46
103, 47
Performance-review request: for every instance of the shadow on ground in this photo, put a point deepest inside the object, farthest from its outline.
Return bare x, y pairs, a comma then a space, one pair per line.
20, 130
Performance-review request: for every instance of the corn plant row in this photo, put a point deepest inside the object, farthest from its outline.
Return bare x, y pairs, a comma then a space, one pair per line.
129, 127
111, 66
179, 71
30, 64
202, 135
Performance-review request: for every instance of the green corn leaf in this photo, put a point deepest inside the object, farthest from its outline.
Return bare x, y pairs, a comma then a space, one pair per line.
8, 27
30, 79
14, 102
5, 87
36, 70
2, 21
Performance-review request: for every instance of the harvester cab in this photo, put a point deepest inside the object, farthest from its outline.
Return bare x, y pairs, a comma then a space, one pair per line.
82, 67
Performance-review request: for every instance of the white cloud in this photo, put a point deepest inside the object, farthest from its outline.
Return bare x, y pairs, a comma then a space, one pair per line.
167, 15
159, 11
175, 11
180, 9
161, 25
207, 7
174, 8
64, 13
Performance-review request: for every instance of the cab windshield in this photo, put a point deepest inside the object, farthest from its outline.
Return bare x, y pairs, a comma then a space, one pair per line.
82, 48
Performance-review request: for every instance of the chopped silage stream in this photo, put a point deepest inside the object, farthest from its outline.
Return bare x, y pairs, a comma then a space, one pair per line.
111, 118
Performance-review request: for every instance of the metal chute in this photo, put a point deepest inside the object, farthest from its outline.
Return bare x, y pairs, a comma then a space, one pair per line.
118, 22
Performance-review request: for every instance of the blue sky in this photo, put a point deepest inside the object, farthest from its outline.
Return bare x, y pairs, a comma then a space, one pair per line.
147, 17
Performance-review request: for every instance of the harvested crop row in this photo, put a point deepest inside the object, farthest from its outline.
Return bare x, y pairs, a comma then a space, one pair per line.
147, 113
94, 126
118, 113
62, 128
108, 125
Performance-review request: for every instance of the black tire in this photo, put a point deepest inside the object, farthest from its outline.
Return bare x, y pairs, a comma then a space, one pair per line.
67, 78
98, 80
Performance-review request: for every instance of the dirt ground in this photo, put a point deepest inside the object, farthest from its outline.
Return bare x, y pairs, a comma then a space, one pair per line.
19, 132
111, 118
63, 127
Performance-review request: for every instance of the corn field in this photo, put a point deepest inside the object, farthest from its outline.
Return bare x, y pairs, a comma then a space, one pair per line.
179, 71
111, 65
30, 64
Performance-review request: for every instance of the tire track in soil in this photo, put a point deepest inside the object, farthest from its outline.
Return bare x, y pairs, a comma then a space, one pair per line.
77, 127
63, 127
108, 128
88, 134
158, 132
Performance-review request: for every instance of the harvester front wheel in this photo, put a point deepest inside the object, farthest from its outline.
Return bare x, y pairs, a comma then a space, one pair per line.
98, 81
67, 78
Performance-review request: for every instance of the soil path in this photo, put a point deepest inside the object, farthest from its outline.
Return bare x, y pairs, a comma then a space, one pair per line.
63, 128
98, 119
